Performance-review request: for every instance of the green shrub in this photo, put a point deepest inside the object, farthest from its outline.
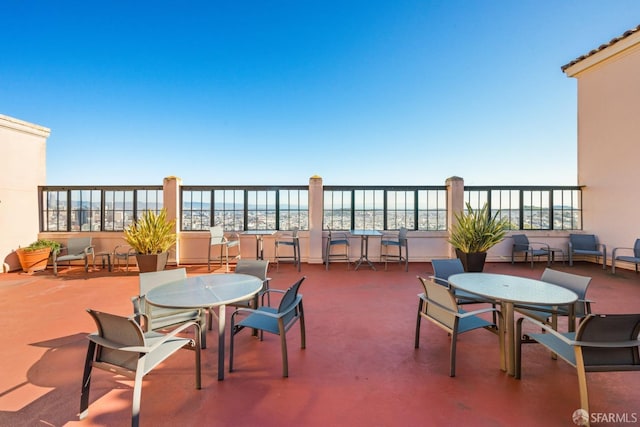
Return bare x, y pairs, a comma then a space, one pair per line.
477, 231
43, 243
151, 233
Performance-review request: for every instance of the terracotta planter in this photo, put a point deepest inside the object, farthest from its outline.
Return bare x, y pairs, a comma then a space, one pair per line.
154, 262
472, 262
35, 260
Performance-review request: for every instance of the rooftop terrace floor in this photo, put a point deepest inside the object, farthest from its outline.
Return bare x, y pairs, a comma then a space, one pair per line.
360, 367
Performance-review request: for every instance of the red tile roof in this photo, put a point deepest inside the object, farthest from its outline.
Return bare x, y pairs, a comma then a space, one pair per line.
601, 47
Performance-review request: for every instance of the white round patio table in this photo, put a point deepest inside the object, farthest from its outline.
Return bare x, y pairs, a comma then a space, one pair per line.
506, 290
207, 292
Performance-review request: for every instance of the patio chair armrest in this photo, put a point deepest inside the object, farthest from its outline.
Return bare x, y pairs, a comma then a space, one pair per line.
138, 312
339, 235
613, 254
174, 332
608, 344
439, 281
268, 292
129, 251
59, 252
88, 250
541, 245
247, 311
243, 310
117, 346
476, 312
548, 329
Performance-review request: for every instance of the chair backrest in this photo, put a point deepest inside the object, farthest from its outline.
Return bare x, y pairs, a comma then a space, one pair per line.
216, 235
120, 330
583, 242
150, 280
253, 267
337, 238
573, 282
123, 250
610, 328
443, 268
520, 242
402, 235
288, 238
441, 304
77, 245
636, 248
290, 298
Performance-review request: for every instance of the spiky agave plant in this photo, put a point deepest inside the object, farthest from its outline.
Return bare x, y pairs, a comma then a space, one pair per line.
151, 233
477, 230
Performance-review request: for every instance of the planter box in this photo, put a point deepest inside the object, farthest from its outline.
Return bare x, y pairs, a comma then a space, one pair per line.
35, 260
472, 262
155, 262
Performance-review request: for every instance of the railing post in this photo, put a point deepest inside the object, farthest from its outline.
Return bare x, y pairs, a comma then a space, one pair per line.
171, 202
455, 203
316, 212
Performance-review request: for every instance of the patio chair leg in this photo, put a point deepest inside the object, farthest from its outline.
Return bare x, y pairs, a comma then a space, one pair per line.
137, 393
86, 381
283, 346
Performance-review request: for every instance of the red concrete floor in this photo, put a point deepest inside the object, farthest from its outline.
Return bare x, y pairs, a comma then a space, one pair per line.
359, 368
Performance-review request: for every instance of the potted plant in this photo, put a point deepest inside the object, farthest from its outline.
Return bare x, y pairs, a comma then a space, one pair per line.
35, 256
151, 236
474, 233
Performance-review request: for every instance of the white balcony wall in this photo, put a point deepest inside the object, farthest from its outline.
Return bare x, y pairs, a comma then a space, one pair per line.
22, 170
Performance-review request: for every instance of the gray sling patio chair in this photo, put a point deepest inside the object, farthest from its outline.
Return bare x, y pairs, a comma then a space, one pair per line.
77, 248
587, 244
439, 306
288, 241
442, 269
154, 318
602, 343
252, 267
634, 259
121, 347
217, 238
549, 314
392, 241
272, 320
257, 268
521, 244
123, 253
337, 240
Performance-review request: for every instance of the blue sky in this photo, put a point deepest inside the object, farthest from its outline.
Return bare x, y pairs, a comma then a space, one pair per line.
272, 92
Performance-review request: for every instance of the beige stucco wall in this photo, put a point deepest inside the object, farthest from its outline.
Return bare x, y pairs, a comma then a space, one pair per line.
22, 170
609, 141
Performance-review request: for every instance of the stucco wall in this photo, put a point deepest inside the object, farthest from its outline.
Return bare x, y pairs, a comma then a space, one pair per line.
22, 170
609, 142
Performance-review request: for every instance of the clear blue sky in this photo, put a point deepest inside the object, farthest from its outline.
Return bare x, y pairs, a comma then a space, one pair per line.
272, 92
